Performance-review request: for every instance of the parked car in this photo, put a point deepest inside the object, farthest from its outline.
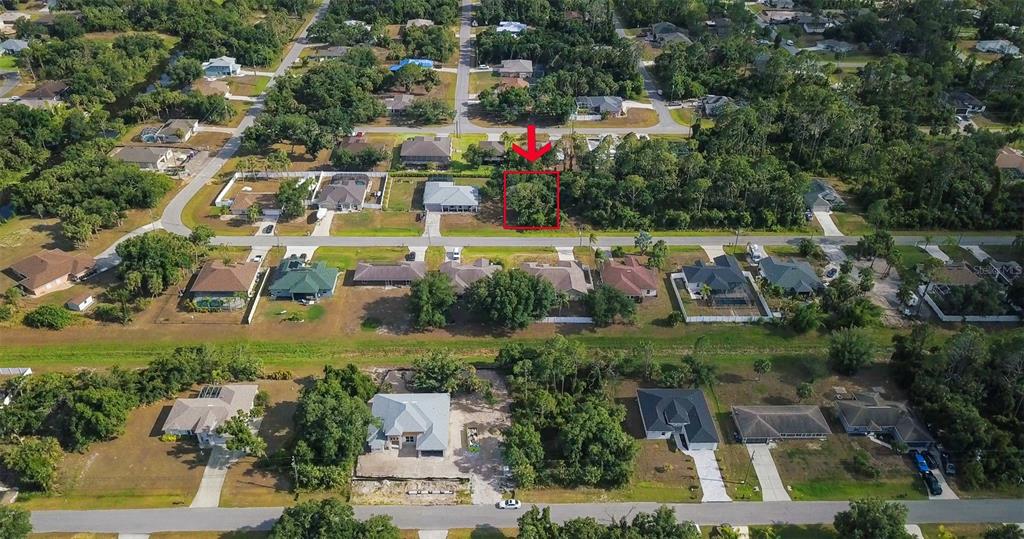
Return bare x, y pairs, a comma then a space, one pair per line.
511, 503
930, 459
948, 467
934, 488
268, 229
922, 465
483, 66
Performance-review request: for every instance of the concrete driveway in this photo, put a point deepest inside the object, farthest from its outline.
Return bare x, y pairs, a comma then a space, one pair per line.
828, 226
772, 488
711, 482
713, 251
216, 470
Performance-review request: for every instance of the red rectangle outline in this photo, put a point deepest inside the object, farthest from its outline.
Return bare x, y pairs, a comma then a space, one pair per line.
558, 199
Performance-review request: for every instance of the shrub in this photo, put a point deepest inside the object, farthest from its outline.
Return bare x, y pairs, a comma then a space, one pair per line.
49, 317
6, 313
282, 374
168, 437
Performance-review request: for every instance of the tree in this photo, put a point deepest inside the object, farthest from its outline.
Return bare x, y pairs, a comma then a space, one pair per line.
429, 111
866, 280
643, 241
159, 257
52, 317
184, 71
702, 373
762, 366
14, 522
240, 436
806, 317
849, 350
13, 295
323, 440
96, 414
804, 390
291, 198
872, 518
201, 235
658, 256
330, 518
254, 212
1004, 531
605, 303
442, 372
511, 298
35, 461
430, 299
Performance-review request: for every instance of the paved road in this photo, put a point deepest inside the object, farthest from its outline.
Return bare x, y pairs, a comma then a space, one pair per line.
665, 120
469, 516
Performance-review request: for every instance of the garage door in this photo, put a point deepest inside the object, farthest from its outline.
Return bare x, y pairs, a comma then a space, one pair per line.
432, 453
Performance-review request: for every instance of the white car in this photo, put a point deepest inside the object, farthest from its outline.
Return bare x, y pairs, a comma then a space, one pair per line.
483, 66
510, 504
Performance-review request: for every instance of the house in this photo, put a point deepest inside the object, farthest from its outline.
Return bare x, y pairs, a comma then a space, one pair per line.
675, 37
172, 132
421, 151
418, 421
821, 196
568, 277
353, 22
603, 105
997, 46
836, 46
965, 104
1011, 161
815, 24
48, 93
344, 193
330, 53
81, 302
794, 277
422, 62
398, 103
781, 4
403, 273
522, 69
13, 46
511, 27
630, 277
493, 149
666, 32
764, 424
713, 105
146, 158
50, 270
267, 203
224, 287
464, 275
299, 281
513, 82
355, 145
418, 23
680, 414
777, 17
868, 413
224, 66
209, 87
446, 197
724, 278
720, 26
8, 18
201, 416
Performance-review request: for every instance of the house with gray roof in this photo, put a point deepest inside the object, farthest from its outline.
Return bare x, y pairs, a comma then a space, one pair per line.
223, 66
295, 279
713, 105
519, 68
398, 103
997, 46
446, 197
795, 277
604, 105
680, 414
418, 421
403, 273
836, 46
724, 277
171, 132
821, 196
965, 104
567, 276
343, 192
763, 424
146, 158
421, 151
494, 150
201, 416
13, 46
464, 275
868, 413
330, 53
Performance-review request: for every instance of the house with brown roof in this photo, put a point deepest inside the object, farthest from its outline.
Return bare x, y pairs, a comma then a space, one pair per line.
494, 149
513, 82
464, 275
421, 151
1011, 161
81, 302
630, 277
566, 276
223, 287
47, 94
50, 270
201, 416
267, 202
403, 273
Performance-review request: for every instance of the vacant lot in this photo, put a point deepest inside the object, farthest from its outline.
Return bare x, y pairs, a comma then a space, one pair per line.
134, 470
376, 223
405, 194
345, 258
248, 85
510, 256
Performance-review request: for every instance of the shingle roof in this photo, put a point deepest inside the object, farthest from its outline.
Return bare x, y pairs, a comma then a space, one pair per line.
48, 89
494, 147
146, 155
427, 147
565, 276
294, 276
350, 189
426, 413
14, 45
206, 414
464, 275
449, 194
1009, 158
678, 410
775, 422
513, 82
516, 66
215, 276
629, 276
48, 265
870, 412
663, 27
333, 52
399, 101
722, 276
600, 103
401, 272
791, 275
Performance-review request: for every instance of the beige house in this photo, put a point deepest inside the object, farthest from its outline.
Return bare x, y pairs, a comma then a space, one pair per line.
201, 416
50, 270
566, 276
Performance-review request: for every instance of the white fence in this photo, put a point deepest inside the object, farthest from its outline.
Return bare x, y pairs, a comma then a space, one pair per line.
222, 200
995, 319
691, 319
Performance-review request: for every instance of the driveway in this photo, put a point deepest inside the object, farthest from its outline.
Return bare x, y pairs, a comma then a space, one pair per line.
713, 251
710, 476
772, 488
565, 254
216, 470
936, 252
432, 225
947, 492
977, 252
828, 226
323, 226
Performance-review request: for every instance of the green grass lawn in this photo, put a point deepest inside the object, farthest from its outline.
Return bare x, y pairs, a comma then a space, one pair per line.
401, 193
345, 258
376, 223
958, 254
851, 224
1004, 253
480, 81
8, 62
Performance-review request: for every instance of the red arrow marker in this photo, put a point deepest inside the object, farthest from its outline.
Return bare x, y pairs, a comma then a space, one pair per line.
532, 153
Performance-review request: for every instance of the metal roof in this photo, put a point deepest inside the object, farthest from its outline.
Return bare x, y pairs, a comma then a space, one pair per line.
423, 413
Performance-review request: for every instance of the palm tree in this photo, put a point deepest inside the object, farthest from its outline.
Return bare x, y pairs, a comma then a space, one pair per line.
705, 292
592, 239
562, 300
928, 239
